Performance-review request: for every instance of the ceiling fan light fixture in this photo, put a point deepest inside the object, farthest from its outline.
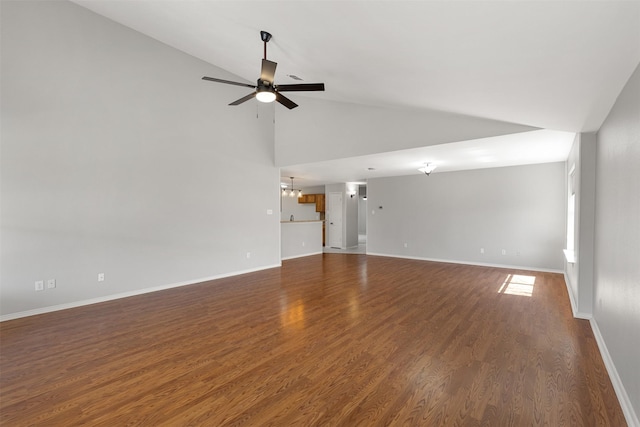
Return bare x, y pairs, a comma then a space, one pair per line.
265, 95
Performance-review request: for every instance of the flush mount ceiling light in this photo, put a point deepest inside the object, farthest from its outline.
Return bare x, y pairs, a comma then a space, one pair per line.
427, 168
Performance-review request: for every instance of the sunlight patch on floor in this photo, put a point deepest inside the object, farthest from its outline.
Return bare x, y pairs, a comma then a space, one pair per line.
517, 284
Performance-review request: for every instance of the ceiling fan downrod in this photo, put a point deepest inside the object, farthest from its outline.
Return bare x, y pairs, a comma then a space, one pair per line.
265, 36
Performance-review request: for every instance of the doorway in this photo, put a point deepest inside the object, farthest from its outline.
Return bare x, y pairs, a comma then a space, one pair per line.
349, 222
334, 220
362, 215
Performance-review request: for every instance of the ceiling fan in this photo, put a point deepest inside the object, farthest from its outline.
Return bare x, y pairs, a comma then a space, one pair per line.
266, 90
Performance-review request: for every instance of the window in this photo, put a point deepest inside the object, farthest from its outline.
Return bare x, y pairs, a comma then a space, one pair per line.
571, 216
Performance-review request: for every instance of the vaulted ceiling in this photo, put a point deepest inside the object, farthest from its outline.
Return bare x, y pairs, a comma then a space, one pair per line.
555, 65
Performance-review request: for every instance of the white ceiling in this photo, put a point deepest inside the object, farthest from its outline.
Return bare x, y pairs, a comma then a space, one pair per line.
541, 146
548, 64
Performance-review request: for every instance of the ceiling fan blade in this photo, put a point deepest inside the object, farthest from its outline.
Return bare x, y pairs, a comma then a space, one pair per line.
285, 101
244, 99
268, 70
229, 82
300, 87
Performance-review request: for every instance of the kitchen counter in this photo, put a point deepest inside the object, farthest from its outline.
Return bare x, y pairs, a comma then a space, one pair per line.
304, 220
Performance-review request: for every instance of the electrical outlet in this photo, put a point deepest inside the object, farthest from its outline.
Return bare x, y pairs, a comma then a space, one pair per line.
269, 211
51, 283
504, 252
39, 285
481, 250
303, 244
100, 277
405, 244
248, 255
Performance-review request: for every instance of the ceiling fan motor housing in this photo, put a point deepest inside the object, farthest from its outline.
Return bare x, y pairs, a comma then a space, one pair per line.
265, 36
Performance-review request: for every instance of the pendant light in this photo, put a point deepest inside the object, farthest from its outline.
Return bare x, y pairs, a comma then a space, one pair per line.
292, 193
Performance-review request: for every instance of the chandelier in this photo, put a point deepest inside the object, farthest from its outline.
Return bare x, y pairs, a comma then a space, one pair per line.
293, 192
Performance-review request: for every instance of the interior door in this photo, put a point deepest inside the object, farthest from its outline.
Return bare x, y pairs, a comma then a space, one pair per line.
334, 220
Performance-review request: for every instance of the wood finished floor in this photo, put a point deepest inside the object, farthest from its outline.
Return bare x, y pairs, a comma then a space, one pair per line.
325, 340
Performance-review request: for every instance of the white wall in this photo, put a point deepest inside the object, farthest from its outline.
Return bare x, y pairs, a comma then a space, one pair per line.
301, 239
117, 158
617, 244
327, 130
450, 216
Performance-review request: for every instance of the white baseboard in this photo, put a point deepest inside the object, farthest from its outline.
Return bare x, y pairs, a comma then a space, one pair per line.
621, 393
574, 306
481, 264
625, 402
572, 301
106, 298
302, 255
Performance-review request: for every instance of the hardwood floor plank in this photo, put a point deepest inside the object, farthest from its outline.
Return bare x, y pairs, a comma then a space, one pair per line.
330, 339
